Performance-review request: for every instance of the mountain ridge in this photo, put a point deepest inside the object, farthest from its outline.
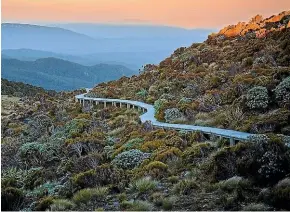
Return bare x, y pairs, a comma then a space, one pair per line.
59, 74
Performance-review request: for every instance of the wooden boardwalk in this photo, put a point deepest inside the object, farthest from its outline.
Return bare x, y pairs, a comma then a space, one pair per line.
149, 113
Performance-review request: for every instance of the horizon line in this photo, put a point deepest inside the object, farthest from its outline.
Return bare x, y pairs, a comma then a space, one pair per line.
49, 24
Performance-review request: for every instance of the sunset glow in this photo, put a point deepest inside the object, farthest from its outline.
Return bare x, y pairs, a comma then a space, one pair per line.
183, 13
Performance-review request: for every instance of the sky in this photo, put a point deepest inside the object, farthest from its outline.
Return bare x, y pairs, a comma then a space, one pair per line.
181, 13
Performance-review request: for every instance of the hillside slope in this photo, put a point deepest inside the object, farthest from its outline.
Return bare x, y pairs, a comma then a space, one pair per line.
57, 74
239, 82
20, 89
60, 155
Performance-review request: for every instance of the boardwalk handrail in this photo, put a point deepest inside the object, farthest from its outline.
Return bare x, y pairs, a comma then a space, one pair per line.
149, 116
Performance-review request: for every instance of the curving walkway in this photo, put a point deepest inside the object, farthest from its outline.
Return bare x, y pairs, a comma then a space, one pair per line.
149, 112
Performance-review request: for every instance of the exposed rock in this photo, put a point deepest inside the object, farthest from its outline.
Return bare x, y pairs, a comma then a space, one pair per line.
257, 24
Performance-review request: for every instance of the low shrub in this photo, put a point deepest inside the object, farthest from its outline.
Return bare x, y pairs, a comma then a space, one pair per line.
234, 183
282, 92
156, 169
150, 146
143, 185
130, 159
100, 176
173, 115
256, 207
257, 98
168, 154
11, 199
62, 205
167, 204
185, 187
137, 205
197, 152
85, 179
48, 188
280, 195
44, 204
90, 194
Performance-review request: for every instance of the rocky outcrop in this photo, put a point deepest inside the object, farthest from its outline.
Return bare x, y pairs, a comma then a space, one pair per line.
257, 25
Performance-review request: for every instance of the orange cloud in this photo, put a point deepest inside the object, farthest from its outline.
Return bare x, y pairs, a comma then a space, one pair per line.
184, 13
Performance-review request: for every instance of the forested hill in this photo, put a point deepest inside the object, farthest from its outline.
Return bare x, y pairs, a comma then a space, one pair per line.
57, 74
20, 89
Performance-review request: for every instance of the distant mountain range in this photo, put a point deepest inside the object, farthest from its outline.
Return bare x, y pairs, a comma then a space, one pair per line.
58, 74
94, 43
64, 56
132, 60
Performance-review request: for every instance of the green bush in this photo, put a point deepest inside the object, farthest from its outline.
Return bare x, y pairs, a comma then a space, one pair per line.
257, 98
142, 93
39, 154
221, 165
281, 194
48, 188
134, 143
33, 178
130, 159
158, 104
13, 177
76, 126
85, 179
173, 115
197, 152
282, 92
143, 185
184, 100
100, 176
185, 186
167, 204
90, 194
234, 183
256, 207
271, 160
156, 169
44, 204
247, 62
62, 205
137, 205
11, 199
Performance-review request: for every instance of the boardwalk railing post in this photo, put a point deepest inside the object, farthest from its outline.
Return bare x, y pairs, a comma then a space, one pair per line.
105, 104
232, 142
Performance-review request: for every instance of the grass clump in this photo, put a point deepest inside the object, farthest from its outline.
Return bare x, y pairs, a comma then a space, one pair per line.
234, 183
143, 185
62, 205
137, 205
185, 186
89, 194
